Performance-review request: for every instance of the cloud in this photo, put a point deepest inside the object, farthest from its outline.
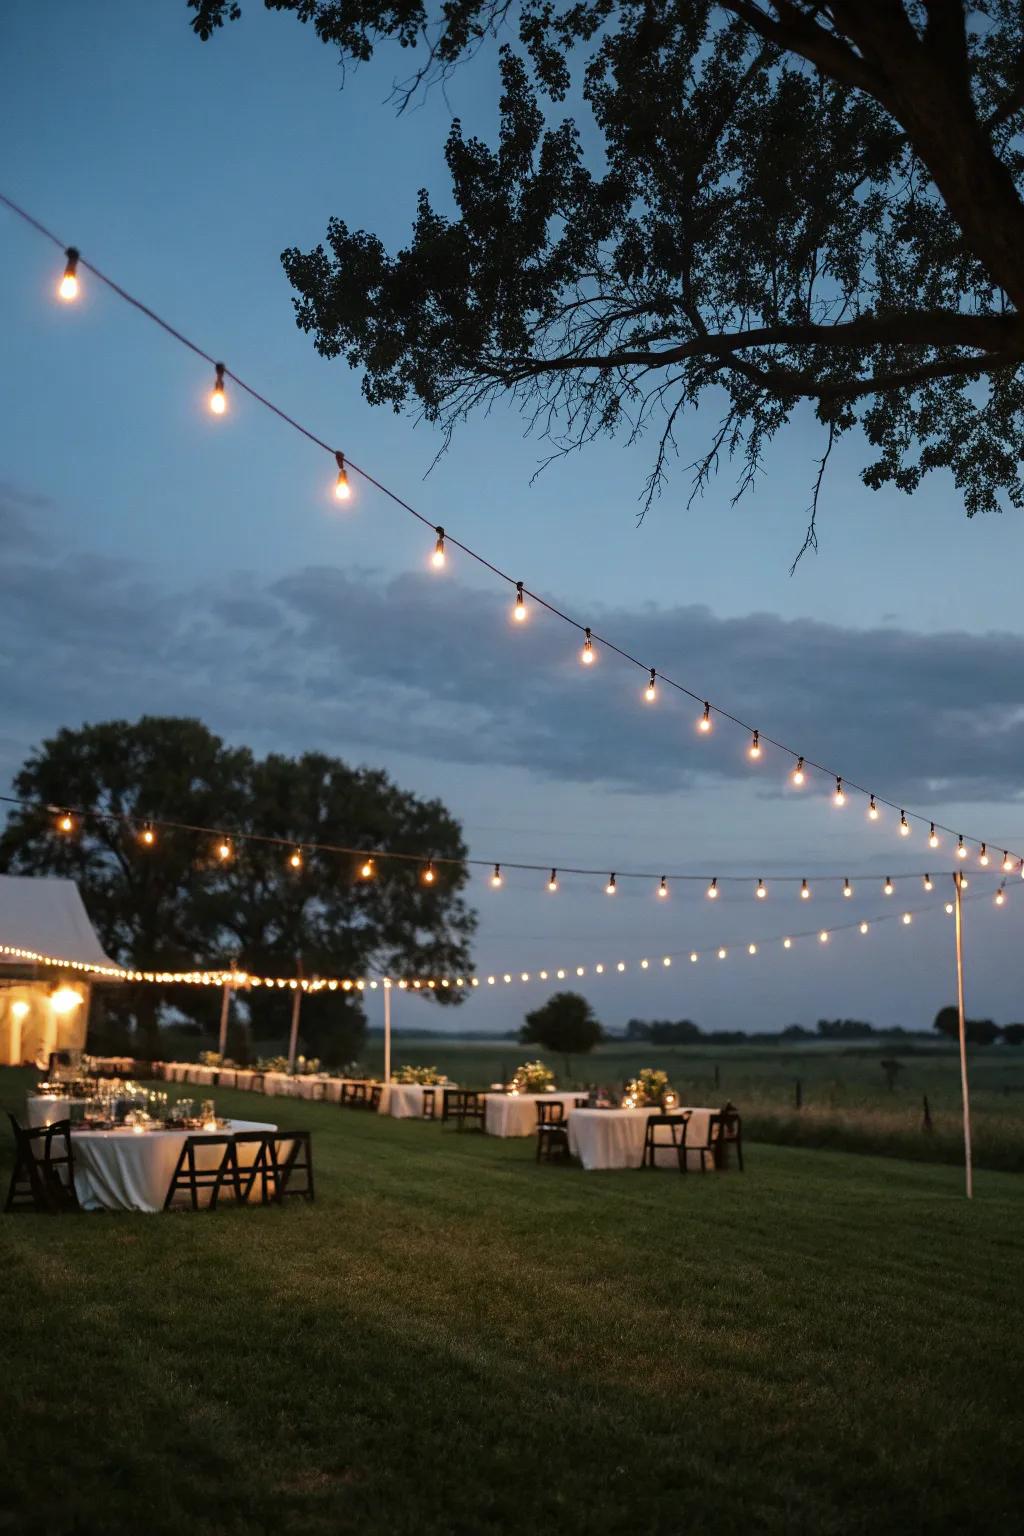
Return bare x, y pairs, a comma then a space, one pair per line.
428, 665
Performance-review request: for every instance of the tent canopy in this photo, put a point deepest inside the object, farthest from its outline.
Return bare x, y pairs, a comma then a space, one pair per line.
47, 915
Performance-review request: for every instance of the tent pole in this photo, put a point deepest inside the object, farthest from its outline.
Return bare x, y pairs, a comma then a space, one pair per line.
293, 1038
225, 1010
387, 1033
964, 1090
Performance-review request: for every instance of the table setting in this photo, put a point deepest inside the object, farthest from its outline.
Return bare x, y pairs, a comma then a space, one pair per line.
403, 1097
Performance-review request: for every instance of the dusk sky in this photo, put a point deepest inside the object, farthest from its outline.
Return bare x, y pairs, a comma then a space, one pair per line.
159, 560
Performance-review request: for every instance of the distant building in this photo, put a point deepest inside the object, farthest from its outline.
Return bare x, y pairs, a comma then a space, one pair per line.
44, 1007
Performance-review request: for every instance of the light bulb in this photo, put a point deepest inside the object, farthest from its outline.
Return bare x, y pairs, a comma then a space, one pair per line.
805, 891
519, 610
224, 849
65, 822
751, 949
713, 889
761, 891
904, 825
722, 954
839, 797
366, 870
663, 887
553, 882
928, 885
296, 859
964, 882
798, 775
949, 909
933, 837
704, 723
983, 855
863, 927
587, 653
847, 888
342, 489
496, 878
218, 399
437, 559
888, 886
68, 288
1000, 896
907, 919
823, 936
787, 943
651, 692
1007, 862
428, 873
872, 809
609, 889
148, 836
694, 957
961, 851
755, 744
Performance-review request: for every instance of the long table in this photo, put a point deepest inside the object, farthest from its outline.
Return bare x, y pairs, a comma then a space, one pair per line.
125, 1170
515, 1114
614, 1138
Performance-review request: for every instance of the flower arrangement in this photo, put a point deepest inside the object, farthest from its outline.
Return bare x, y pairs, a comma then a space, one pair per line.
307, 1064
214, 1059
648, 1086
272, 1064
427, 1076
533, 1077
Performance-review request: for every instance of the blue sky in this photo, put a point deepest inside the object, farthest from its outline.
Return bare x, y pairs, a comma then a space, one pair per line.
138, 523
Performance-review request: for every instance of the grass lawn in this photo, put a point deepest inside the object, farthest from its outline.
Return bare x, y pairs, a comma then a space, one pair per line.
452, 1340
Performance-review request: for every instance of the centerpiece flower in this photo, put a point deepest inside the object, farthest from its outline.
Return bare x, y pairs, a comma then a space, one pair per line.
648, 1086
533, 1077
426, 1076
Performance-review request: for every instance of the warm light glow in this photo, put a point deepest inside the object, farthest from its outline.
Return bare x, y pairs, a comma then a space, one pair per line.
805, 890
847, 888
651, 692
667, 960
872, 809
1000, 896
888, 886
224, 849
722, 954
964, 882
553, 882
342, 489
751, 949
218, 399
762, 890
713, 889
928, 883
147, 836
839, 798
694, 958
587, 653
983, 855
296, 859
704, 723
437, 559
663, 887
863, 927
949, 909
19, 1009
65, 999
787, 943
933, 837
496, 878
904, 825
798, 775
428, 873
367, 870
519, 611
755, 744
609, 889
68, 288
1007, 862
823, 937
907, 919
65, 822
961, 851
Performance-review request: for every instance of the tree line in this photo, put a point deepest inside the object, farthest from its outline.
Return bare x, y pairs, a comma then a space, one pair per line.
946, 1022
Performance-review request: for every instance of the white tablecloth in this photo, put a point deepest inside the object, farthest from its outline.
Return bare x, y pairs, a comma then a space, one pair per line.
614, 1138
515, 1114
44, 1109
125, 1171
405, 1100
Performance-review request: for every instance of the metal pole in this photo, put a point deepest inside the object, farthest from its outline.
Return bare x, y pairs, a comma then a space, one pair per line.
387, 1033
225, 1010
293, 1039
964, 1090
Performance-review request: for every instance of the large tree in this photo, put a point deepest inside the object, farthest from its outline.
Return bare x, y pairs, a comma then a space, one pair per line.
566, 1023
785, 203
176, 905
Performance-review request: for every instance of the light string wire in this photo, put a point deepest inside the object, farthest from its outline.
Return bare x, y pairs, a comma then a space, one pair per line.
758, 737
243, 980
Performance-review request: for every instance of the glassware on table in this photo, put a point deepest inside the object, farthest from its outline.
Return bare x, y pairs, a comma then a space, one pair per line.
208, 1115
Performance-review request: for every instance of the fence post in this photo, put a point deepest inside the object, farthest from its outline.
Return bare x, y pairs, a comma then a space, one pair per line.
926, 1124
799, 1095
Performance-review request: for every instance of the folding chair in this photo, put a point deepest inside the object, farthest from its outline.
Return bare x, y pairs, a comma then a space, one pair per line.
42, 1181
188, 1175
676, 1127
430, 1103
707, 1149
730, 1135
552, 1131
376, 1094
353, 1095
281, 1160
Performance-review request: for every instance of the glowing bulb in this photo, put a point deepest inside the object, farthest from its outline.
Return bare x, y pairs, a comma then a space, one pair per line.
823, 936
68, 288
872, 809
663, 887
342, 489
907, 919
847, 888
787, 943
798, 775
428, 873
761, 891
553, 882
964, 882
694, 957
609, 889
587, 653
65, 822
839, 798
933, 837
65, 999
755, 744
296, 859
751, 949
928, 885
19, 1009
1007, 862
713, 889
949, 909
650, 692
961, 851
983, 855
519, 611
224, 849
722, 954
888, 886
366, 870
904, 825
805, 891
218, 399
437, 559
496, 878
147, 836
704, 723
863, 927
1000, 896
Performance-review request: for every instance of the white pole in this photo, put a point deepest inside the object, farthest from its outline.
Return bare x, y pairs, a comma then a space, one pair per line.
225, 1008
387, 1033
964, 1090
293, 1038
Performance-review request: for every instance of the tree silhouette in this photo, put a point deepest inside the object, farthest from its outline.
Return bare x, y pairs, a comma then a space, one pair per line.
566, 1023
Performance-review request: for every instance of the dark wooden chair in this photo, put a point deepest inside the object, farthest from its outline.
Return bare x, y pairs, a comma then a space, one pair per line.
43, 1176
451, 1098
196, 1180
282, 1165
465, 1106
375, 1096
552, 1131
257, 1084
707, 1149
730, 1134
675, 1125
581, 1101
430, 1103
353, 1095
319, 1091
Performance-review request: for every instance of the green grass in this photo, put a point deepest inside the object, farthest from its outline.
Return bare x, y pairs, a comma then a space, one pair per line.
453, 1340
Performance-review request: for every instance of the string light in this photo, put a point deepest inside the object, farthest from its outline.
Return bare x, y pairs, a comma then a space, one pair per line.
663, 887
367, 870
553, 882
519, 610
949, 909
755, 744
704, 723
933, 837
428, 873
218, 399
964, 882
147, 836
65, 822
928, 883
863, 927
872, 809
437, 559
907, 919
839, 797
847, 887
713, 889
823, 936
1000, 896
888, 886
983, 855
904, 825
651, 692
694, 957
609, 889
1007, 862
342, 489
961, 851
496, 878
762, 890
805, 891
296, 858
722, 954
798, 774
224, 849
68, 287
587, 653
787, 943
751, 949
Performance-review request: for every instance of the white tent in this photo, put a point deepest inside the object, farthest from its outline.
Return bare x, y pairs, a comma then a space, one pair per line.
42, 1009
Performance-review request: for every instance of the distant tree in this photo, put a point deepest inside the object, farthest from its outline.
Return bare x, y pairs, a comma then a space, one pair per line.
176, 906
977, 1031
638, 1029
795, 1032
566, 1023
947, 1022
1013, 1034
844, 1029
682, 1032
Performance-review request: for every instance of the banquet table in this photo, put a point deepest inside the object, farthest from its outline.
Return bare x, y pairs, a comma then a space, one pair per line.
45, 1108
515, 1114
614, 1138
404, 1101
128, 1171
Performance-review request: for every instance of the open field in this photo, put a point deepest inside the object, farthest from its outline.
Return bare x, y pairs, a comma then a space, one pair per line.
453, 1340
